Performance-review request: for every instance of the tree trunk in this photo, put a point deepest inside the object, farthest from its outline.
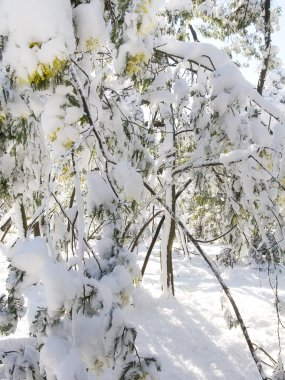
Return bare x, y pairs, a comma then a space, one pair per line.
24, 219
36, 229
171, 237
267, 46
155, 236
168, 235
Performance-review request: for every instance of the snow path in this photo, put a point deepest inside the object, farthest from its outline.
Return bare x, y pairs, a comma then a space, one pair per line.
188, 333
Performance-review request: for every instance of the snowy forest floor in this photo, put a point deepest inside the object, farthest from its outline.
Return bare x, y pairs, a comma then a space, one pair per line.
188, 333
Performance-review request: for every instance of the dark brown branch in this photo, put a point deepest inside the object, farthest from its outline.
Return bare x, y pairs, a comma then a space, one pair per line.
70, 205
6, 227
24, 219
194, 34
184, 187
152, 244
219, 237
88, 114
136, 239
36, 229
6, 224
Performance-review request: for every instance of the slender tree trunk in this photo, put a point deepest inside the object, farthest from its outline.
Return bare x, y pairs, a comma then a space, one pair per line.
24, 219
155, 236
267, 46
171, 237
36, 228
168, 235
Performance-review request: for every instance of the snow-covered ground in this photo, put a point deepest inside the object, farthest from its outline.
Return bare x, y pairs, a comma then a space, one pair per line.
188, 333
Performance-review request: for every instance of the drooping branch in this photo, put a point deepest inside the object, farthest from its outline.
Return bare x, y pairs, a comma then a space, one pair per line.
88, 114
217, 238
72, 223
211, 58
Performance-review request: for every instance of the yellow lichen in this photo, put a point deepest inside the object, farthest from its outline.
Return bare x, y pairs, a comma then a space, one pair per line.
53, 135
281, 199
91, 44
267, 159
69, 144
125, 299
35, 43
143, 6
137, 281
2, 116
134, 63
98, 367
45, 72
65, 175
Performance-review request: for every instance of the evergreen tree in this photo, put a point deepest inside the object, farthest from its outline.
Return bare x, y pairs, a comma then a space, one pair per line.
106, 111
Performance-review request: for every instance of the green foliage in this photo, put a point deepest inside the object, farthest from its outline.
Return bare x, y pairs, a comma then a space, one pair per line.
11, 308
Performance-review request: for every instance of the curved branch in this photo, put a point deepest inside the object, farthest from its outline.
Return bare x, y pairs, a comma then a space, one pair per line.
219, 237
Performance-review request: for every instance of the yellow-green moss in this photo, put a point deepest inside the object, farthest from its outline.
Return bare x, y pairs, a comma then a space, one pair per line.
91, 44
2, 116
45, 72
143, 6
134, 63
35, 43
69, 144
267, 159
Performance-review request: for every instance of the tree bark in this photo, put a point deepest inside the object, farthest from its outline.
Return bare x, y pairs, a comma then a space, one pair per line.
267, 46
171, 238
24, 219
36, 229
155, 236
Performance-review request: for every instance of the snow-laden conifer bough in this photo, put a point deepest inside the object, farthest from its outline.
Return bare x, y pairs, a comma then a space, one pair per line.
98, 103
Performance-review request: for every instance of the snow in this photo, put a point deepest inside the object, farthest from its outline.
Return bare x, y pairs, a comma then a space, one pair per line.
100, 192
227, 73
179, 5
44, 35
89, 339
59, 359
32, 257
129, 180
90, 26
54, 277
194, 51
188, 334
26, 252
85, 317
